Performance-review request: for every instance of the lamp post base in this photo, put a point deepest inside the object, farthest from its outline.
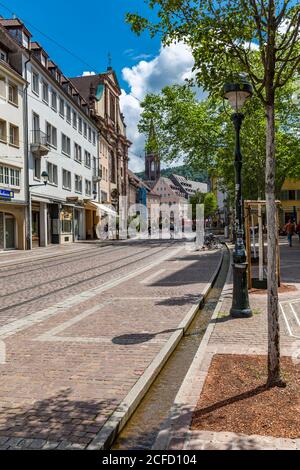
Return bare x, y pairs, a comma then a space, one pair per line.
240, 299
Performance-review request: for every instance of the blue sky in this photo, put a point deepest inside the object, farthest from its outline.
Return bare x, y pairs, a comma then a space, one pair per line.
89, 29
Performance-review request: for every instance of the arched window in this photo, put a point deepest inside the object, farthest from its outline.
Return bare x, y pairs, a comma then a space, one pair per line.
112, 168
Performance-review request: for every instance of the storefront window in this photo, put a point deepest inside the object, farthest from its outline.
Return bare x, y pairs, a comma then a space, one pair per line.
7, 231
67, 226
1, 231
67, 220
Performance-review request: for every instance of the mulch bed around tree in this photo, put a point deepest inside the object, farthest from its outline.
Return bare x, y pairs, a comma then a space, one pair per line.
234, 398
281, 290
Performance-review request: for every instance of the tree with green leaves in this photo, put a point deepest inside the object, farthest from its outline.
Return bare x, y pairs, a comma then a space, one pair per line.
210, 204
259, 38
208, 199
202, 132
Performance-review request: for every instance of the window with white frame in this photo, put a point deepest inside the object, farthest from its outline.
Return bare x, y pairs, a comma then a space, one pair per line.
94, 137
87, 159
88, 187
51, 132
66, 179
35, 83
77, 153
13, 93
66, 145
90, 134
78, 184
45, 94
37, 168
14, 177
80, 125
2, 87
13, 135
74, 120
61, 107
3, 135
9, 176
52, 173
6, 175
68, 113
54, 100
85, 129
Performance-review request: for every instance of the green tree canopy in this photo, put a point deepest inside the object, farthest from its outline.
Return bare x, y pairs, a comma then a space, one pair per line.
203, 133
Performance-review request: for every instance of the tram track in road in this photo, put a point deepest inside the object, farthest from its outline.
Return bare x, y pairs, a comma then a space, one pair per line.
81, 281
32, 259
42, 262
68, 261
73, 273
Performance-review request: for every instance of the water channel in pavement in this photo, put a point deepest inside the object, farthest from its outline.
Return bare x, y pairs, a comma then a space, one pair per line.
141, 430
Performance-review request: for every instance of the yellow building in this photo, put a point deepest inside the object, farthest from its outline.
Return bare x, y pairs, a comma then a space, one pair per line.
290, 201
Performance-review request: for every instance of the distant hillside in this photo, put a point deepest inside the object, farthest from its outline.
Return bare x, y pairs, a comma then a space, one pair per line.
183, 170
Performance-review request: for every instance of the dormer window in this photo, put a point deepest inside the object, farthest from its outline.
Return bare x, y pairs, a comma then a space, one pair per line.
43, 60
25, 41
16, 34
3, 55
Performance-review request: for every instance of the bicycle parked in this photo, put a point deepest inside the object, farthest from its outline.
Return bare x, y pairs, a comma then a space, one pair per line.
211, 242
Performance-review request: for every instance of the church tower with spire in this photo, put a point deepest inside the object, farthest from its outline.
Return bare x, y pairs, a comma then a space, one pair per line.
152, 160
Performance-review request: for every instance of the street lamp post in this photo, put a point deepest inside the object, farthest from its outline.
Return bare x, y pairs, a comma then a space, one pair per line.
45, 178
237, 94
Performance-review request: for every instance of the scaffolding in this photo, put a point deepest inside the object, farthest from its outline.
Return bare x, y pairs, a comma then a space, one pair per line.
255, 215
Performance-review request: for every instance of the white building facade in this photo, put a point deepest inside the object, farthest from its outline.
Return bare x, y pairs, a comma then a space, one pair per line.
62, 142
12, 162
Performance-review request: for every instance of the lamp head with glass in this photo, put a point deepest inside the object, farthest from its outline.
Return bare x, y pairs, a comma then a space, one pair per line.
237, 94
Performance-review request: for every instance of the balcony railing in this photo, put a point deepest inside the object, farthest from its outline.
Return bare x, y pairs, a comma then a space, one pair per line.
39, 137
97, 175
39, 145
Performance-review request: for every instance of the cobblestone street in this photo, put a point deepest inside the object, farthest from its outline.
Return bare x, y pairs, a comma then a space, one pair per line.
80, 326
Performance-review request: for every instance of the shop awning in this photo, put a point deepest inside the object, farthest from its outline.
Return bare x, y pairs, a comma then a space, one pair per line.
103, 208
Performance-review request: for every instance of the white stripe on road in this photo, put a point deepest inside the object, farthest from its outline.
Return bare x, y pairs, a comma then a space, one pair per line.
286, 319
38, 317
152, 276
52, 335
295, 314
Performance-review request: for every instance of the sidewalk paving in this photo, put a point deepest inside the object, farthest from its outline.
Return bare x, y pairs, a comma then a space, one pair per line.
226, 335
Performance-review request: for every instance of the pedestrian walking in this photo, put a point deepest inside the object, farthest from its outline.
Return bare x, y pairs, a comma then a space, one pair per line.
298, 231
290, 230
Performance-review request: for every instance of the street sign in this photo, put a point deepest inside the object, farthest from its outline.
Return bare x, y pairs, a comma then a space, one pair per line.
5, 194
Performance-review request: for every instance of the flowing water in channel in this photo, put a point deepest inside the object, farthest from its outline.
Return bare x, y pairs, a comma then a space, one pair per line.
142, 429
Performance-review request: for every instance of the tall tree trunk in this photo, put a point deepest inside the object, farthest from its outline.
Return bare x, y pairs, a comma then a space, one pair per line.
274, 374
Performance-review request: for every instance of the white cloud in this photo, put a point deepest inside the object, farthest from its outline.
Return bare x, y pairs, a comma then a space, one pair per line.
87, 74
172, 65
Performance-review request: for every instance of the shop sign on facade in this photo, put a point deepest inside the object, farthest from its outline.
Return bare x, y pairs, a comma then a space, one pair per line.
5, 194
